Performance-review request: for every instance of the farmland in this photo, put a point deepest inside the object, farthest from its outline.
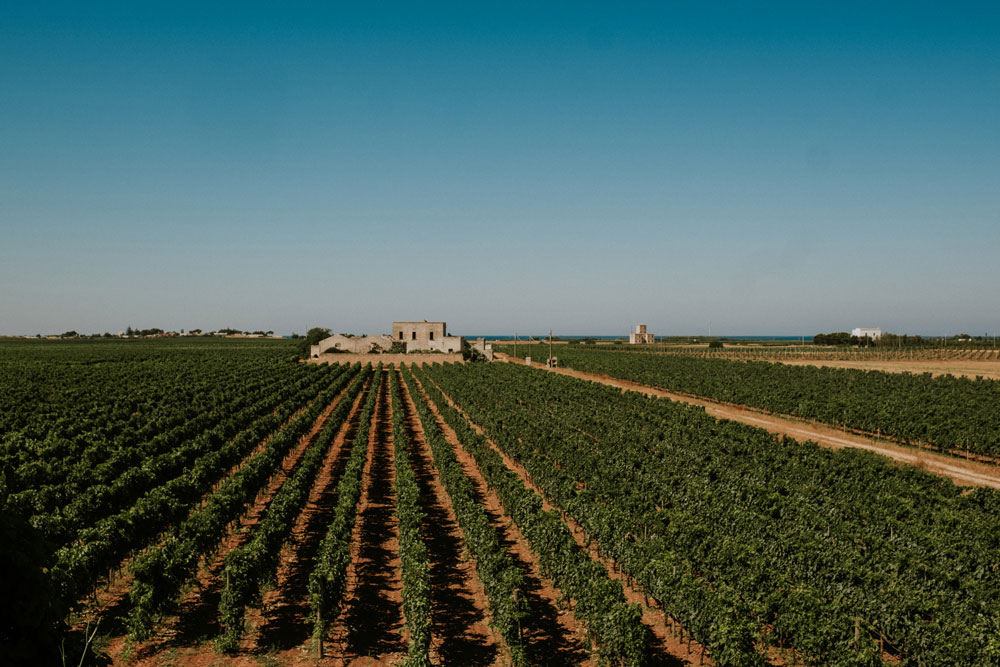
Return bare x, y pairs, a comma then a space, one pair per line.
954, 360
192, 501
952, 414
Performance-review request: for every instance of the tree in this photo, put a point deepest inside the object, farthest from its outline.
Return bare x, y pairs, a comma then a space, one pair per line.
837, 338
469, 353
315, 335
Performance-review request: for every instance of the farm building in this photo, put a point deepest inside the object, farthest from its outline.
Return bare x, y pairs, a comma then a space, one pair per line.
862, 332
412, 336
352, 344
640, 335
429, 336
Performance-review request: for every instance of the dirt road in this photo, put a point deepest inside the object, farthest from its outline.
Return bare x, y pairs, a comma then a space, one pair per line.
962, 472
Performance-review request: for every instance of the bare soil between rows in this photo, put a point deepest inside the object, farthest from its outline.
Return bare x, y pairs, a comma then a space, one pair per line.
285, 620
668, 643
459, 608
371, 627
108, 603
187, 636
551, 635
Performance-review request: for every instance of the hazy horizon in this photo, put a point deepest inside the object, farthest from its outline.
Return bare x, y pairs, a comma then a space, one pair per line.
527, 336
768, 169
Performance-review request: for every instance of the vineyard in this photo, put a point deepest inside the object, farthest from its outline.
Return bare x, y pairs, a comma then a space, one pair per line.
192, 502
757, 352
956, 359
953, 414
756, 545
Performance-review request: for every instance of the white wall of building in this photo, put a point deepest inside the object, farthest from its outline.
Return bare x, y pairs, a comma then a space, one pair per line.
866, 332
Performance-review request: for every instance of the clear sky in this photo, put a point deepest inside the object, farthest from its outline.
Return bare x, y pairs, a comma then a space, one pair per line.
769, 168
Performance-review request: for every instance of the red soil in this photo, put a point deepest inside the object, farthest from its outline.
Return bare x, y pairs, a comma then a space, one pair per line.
284, 620
459, 608
371, 630
186, 637
552, 635
668, 633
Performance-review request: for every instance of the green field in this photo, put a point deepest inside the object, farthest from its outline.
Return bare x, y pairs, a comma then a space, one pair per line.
146, 483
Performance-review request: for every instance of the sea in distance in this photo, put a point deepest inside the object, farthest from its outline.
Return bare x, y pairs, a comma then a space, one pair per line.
544, 336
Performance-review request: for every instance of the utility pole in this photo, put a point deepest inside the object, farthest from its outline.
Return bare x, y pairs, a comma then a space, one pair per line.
515, 344
550, 345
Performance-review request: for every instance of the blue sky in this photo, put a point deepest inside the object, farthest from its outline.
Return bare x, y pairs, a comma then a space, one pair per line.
771, 168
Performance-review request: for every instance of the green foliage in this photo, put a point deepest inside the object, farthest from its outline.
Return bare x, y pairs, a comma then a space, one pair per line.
316, 334
501, 578
837, 338
620, 636
748, 538
161, 572
412, 550
948, 412
328, 580
32, 613
107, 443
254, 564
471, 354
312, 337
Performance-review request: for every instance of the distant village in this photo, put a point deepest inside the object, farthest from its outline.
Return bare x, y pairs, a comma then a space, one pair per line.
160, 333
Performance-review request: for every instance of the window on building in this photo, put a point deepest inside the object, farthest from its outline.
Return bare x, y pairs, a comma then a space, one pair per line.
432, 335
413, 335
400, 335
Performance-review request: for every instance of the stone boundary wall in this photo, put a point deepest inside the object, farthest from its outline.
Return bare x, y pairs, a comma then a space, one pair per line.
398, 359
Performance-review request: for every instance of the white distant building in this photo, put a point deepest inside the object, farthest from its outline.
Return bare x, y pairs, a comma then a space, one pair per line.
863, 332
640, 335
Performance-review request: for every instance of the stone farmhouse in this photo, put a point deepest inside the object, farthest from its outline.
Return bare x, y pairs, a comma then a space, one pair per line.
412, 336
352, 344
425, 336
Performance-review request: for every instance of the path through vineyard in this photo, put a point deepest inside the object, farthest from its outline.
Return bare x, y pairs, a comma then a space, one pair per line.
963, 472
